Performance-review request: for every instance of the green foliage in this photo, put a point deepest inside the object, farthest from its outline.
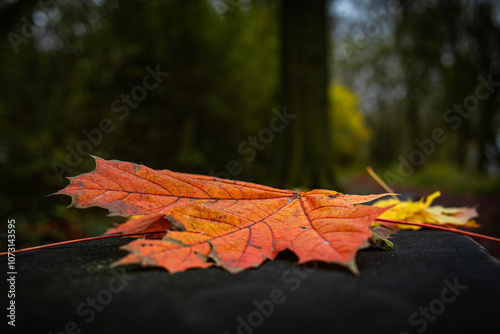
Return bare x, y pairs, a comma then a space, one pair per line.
413, 66
450, 179
221, 88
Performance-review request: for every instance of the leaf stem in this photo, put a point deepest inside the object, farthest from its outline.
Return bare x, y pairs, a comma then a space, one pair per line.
380, 181
436, 227
79, 240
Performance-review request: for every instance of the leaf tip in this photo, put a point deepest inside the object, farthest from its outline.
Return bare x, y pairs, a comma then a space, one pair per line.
353, 267
96, 157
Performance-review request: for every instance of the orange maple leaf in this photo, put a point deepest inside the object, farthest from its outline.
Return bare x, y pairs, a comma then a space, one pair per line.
232, 224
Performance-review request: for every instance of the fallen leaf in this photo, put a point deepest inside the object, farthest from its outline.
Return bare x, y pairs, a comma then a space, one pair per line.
232, 224
422, 212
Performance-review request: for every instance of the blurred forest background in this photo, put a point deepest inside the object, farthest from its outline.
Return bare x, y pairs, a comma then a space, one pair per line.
411, 88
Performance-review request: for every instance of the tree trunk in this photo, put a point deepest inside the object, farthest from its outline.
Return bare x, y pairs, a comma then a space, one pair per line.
305, 155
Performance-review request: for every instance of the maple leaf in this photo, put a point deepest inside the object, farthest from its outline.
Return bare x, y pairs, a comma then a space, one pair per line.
422, 212
233, 224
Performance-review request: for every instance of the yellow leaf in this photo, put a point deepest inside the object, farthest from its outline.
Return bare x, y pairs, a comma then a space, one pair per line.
422, 212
